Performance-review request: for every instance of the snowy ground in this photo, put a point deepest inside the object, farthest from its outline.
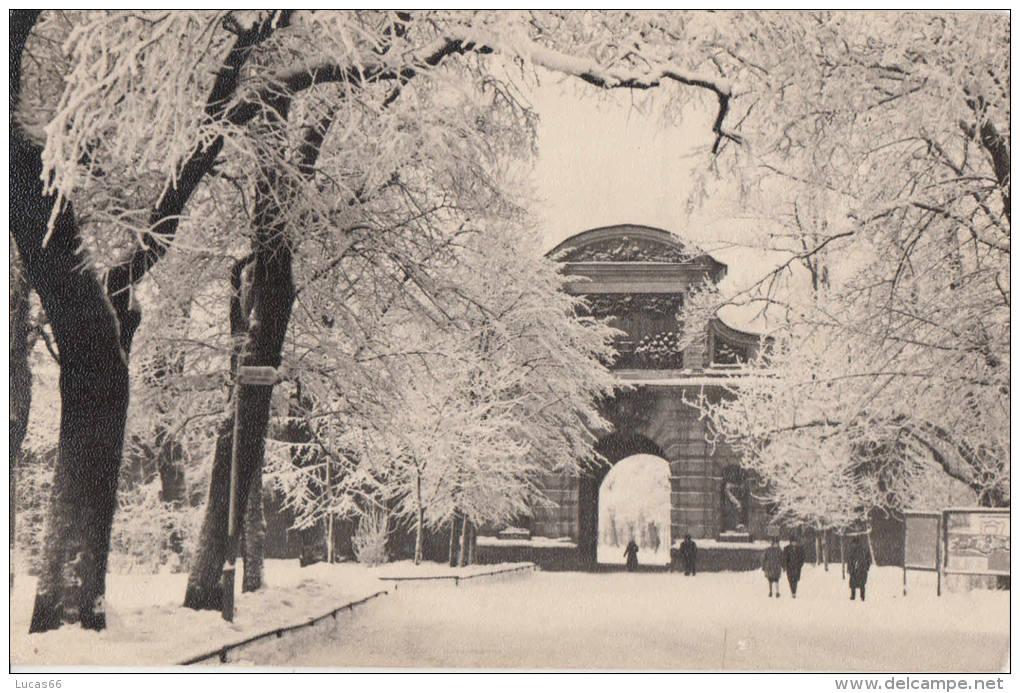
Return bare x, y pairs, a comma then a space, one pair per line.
543, 620
147, 626
713, 621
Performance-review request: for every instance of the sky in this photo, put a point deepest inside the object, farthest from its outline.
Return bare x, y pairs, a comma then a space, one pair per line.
612, 158
604, 159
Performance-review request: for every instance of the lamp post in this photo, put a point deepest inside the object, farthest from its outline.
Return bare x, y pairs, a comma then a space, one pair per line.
246, 375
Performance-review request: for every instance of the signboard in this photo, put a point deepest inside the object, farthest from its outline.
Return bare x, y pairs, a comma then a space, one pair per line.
977, 541
921, 538
257, 375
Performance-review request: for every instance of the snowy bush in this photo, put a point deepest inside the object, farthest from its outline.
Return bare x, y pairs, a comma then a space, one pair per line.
369, 540
150, 535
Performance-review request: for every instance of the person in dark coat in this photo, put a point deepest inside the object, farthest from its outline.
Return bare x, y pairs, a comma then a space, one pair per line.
772, 565
793, 561
631, 554
689, 555
858, 561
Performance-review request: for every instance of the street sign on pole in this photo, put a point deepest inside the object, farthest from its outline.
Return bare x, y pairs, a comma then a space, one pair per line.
246, 375
227, 579
257, 375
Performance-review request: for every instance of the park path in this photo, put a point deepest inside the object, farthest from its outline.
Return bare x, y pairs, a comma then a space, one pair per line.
661, 621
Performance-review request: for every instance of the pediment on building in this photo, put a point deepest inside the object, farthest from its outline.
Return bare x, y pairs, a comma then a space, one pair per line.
624, 243
628, 258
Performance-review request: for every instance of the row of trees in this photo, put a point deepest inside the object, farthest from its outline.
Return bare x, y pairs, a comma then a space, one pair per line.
312, 176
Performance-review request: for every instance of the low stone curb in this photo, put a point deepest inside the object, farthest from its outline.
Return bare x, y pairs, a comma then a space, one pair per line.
456, 578
221, 653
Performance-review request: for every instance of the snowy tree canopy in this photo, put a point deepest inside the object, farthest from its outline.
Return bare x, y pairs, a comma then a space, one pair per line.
880, 145
462, 395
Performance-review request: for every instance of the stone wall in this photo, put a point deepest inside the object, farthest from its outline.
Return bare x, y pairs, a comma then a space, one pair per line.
557, 516
696, 481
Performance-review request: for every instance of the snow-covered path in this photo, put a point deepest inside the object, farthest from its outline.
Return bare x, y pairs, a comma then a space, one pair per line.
664, 621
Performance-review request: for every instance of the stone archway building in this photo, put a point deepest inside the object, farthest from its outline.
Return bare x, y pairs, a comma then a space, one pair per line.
639, 277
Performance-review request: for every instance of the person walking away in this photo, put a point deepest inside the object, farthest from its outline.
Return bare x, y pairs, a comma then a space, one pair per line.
689, 555
857, 564
793, 561
631, 555
772, 565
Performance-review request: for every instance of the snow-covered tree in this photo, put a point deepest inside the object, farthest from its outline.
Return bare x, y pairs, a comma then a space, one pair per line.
469, 386
881, 161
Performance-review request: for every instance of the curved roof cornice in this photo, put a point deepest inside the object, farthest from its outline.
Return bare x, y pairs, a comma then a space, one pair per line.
640, 235
719, 327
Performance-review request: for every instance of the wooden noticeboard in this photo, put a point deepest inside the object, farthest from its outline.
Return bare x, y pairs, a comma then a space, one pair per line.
921, 540
922, 544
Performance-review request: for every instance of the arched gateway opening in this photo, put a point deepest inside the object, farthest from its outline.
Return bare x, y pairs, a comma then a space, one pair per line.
613, 448
634, 505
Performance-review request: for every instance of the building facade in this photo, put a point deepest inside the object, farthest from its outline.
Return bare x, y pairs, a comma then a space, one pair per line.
638, 277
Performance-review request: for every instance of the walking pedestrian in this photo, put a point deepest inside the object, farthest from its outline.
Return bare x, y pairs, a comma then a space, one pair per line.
793, 561
858, 562
772, 565
630, 553
689, 555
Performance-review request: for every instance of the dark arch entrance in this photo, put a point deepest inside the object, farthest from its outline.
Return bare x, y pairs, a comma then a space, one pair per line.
613, 448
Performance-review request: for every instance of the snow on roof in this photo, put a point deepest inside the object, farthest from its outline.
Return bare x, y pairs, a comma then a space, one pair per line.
536, 542
700, 380
730, 545
975, 509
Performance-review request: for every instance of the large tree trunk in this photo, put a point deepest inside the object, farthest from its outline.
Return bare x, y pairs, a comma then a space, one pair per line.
93, 384
203, 591
94, 398
20, 385
20, 382
254, 537
272, 299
